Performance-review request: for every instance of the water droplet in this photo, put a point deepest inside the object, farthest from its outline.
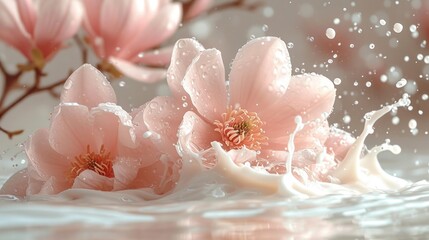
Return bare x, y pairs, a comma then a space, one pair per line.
412, 124
371, 46
382, 22
68, 84
140, 55
425, 97
383, 78
397, 27
368, 84
395, 120
426, 59
336, 21
289, 45
413, 28
185, 104
265, 27
330, 33
122, 84
337, 81
347, 119
401, 83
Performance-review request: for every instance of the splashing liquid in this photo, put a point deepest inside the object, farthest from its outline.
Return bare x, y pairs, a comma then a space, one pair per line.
355, 174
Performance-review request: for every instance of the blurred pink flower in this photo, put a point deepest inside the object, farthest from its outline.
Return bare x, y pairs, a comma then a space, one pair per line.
94, 144
123, 32
254, 111
38, 28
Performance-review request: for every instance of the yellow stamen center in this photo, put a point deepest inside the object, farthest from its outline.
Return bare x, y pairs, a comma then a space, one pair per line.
100, 162
239, 128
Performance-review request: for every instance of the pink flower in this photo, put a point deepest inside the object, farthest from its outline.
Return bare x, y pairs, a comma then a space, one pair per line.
38, 28
254, 111
122, 32
94, 144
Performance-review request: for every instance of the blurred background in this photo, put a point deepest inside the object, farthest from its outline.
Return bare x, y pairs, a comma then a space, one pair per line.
373, 51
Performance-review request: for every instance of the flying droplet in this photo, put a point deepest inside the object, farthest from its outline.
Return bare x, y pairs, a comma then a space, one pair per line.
397, 27
330, 33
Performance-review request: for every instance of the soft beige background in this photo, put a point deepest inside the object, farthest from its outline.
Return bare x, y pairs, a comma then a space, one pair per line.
302, 25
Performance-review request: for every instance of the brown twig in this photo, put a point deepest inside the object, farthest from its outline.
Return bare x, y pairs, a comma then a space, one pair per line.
11, 134
239, 4
82, 47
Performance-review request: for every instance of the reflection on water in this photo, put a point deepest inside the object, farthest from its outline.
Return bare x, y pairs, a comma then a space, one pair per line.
233, 215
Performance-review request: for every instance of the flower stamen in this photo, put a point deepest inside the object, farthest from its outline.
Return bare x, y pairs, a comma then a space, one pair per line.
240, 127
100, 162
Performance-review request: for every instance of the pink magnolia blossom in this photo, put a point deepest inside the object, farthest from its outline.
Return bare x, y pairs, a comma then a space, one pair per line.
94, 144
254, 112
123, 32
38, 29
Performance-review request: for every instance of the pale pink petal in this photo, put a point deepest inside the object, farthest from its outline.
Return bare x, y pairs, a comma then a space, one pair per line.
260, 73
125, 170
339, 142
91, 21
160, 176
136, 72
54, 185
184, 52
162, 117
89, 179
56, 22
119, 22
71, 131
310, 96
112, 125
28, 14
150, 145
196, 135
12, 30
87, 86
160, 57
197, 7
16, 184
205, 83
162, 26
44, 160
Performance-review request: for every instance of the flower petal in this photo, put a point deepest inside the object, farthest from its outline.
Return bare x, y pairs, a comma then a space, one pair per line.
87, 86
139, 73
161, 176
125, 170
56, 22
71, 131
45, 161
112, 125
162, 117
260, 73
92, 16
16, 184
119, 22
313, 135
54, 185
12, 30
162, 26
184, 52
205, 83
160, 57
28, 14
91, 180
339, 142
310, 96
196, 135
